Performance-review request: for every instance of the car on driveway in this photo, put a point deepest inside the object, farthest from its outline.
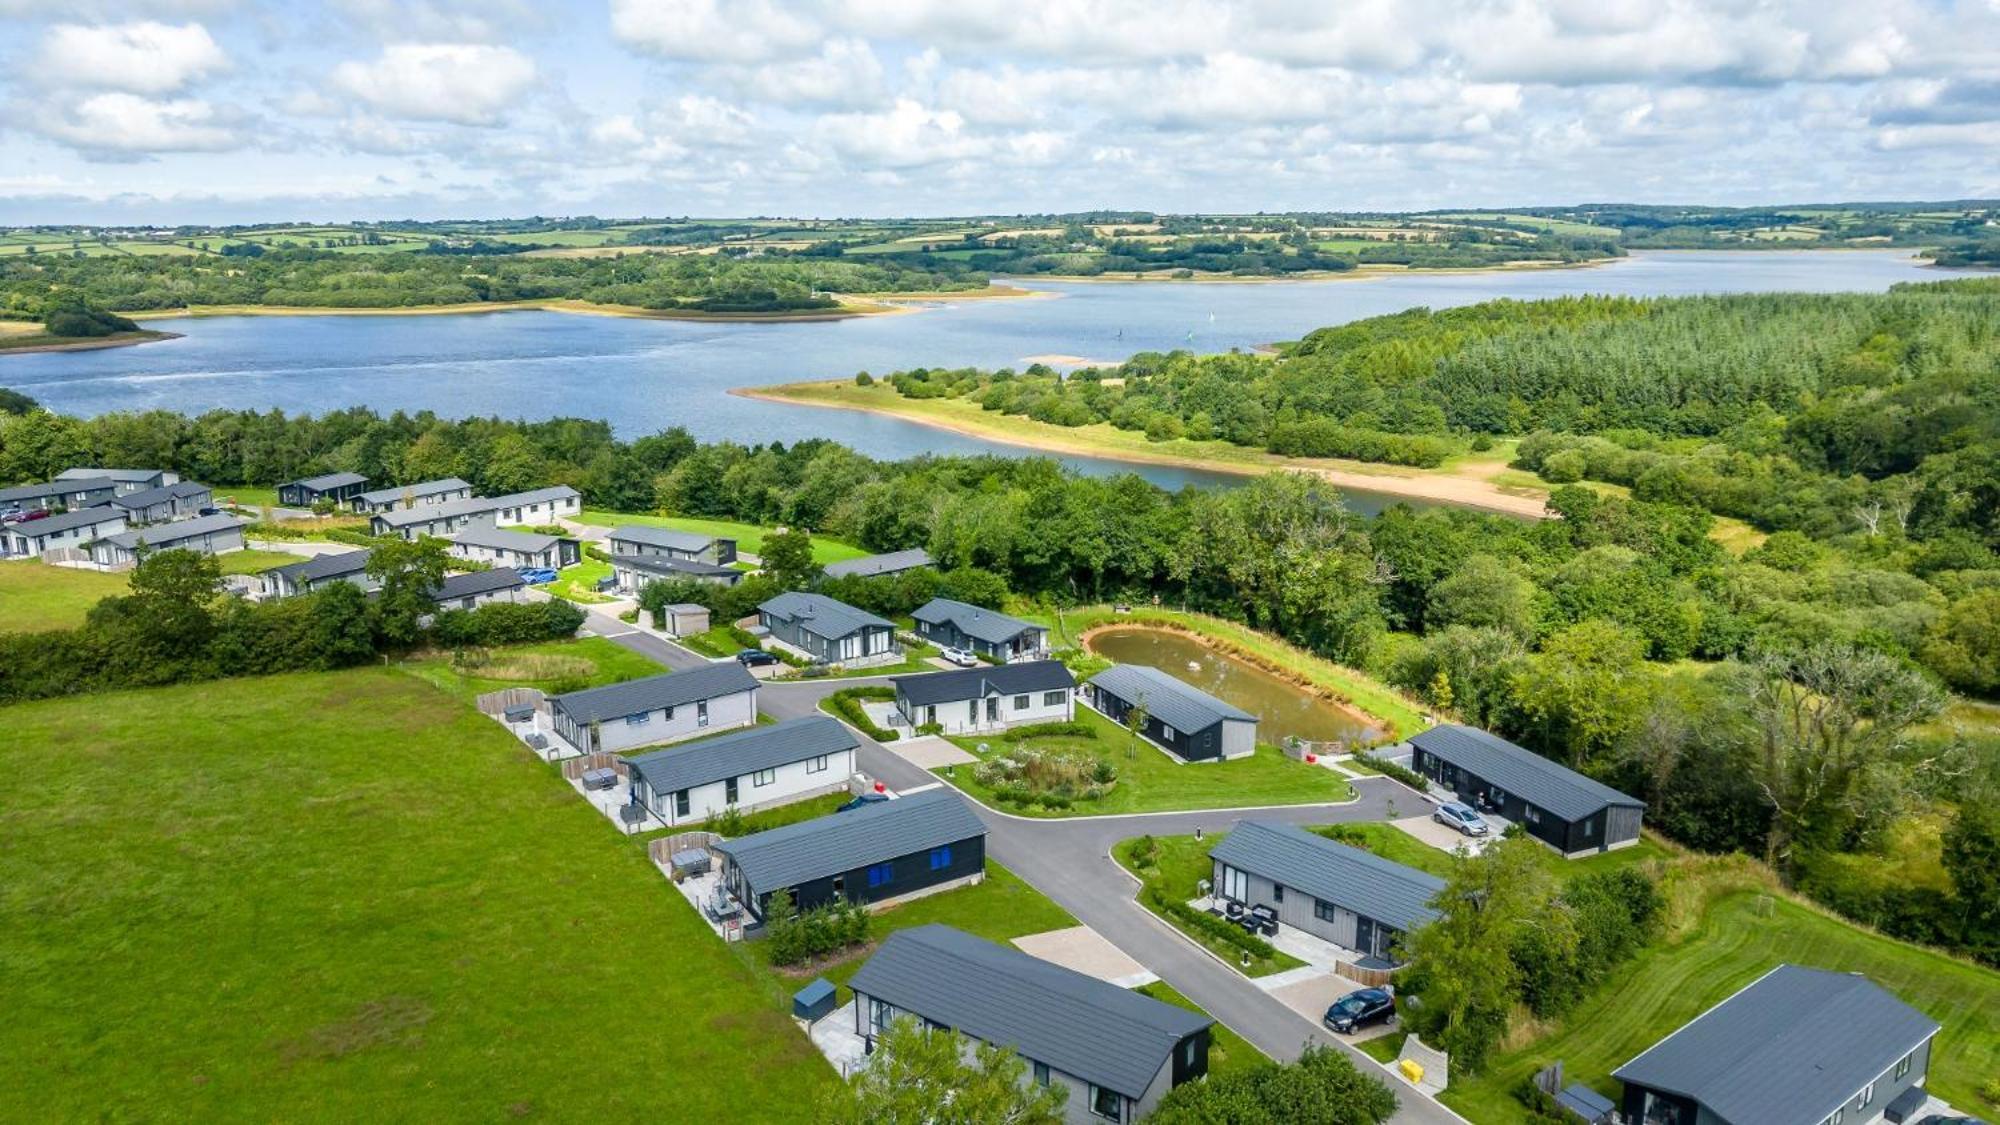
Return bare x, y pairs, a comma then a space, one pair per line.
536, 575
755, 658
1464, 818
1359, 1009
961, 657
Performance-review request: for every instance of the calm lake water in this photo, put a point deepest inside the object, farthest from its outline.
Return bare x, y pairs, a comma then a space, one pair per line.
645, 375
1282, 710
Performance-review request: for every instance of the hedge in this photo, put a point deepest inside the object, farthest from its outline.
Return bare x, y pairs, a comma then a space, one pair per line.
847, 704
1220, 929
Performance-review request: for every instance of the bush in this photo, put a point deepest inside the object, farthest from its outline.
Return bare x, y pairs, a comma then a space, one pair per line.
793, 937
864, 379
1050, 730
847, 704
1208, 924
1396, 772
1050, 778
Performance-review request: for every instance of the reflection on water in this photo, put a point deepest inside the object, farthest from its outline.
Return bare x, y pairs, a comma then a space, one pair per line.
1282, 709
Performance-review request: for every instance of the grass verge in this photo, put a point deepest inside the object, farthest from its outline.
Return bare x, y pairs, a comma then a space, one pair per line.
1174, 866
1228, 1052
38, 598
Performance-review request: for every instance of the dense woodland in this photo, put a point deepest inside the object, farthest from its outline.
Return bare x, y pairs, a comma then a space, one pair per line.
324, 279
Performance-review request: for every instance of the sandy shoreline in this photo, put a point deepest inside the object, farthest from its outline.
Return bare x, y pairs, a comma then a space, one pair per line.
148, 336
1461, 491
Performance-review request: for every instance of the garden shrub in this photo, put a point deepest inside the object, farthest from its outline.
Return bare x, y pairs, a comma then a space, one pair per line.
847, 704
1040, 775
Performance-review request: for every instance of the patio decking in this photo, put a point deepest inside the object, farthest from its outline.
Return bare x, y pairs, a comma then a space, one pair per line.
611, 801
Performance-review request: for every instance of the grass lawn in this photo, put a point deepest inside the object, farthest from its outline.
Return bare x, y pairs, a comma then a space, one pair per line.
1396, 845
717, 642
1398, 713
246, 496
1741, 936
999, 909
584, 662
579, 583
1177, 865
916, 658
253, 561
36, 597
749, 537
1151, 781
290, 907
1228, 1052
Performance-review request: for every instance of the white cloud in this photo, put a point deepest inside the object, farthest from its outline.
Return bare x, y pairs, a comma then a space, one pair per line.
742, 31
463, 83
127, 124
845, 74
144, 57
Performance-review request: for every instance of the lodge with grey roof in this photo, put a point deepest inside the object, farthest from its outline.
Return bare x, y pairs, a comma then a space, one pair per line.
632, 572
640, 541
405, 496
126, 480
656, 709
207, 535
1347, 896
1569, 812
758, 768
516, 548
988, 632
1797, 1046
70, 494
875, 854
542, 506
822, 629
316, 573
30, 538
1116, 1052
337, 488
880, 566
168, 502
989, 697
1180, 718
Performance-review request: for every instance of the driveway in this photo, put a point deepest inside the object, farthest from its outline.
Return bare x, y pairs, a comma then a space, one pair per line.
638, 640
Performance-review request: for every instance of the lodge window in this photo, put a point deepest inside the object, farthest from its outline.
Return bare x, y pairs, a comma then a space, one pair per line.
1324, 910
1020, 703
639, 720
1903, 1066
1277, 892
1589, 829
1052, 699
817, 765
940, 858
1108, 1104
680, 802
879, 1014
763, 777
1166, 734
880, 874
1533, 815
1041, 1074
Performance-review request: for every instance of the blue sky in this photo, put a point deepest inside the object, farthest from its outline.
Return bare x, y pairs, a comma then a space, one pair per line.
213, 110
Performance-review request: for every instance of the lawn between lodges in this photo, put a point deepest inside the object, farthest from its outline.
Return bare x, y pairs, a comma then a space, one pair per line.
1151, 780
36, 597
749, 537
391, 901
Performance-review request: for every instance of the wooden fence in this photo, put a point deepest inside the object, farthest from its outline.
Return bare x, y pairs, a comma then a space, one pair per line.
498, 703
662, 850
574, 768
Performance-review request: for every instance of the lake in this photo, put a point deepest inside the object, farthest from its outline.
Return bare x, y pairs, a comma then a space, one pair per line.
646, 375
1282, 709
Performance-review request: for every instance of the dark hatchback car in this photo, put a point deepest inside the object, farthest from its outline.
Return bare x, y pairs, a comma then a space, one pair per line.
755, 658
1360, 1008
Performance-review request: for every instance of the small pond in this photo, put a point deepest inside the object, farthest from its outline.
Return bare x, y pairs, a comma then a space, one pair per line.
1282, 709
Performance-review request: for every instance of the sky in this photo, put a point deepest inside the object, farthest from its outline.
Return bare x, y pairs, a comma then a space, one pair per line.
215, 111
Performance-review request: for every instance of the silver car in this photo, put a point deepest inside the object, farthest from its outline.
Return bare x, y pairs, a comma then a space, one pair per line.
1462, 817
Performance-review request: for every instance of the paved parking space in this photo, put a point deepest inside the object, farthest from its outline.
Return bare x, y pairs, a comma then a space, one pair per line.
931, 752
1085, 950
1439, 836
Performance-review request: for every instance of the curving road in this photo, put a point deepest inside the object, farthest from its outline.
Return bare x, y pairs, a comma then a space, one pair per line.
1069, 860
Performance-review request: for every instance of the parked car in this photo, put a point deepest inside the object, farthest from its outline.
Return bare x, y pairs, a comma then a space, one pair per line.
30, 514
1462, 817
1360, 1008
755, 658
964, 658
537, 575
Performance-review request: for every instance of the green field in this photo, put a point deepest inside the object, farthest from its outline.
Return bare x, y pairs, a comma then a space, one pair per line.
1175, 866
1392, 843
579, 583
325, 894
1742, 936
35, 597
749, 537
254, 561
1149, 780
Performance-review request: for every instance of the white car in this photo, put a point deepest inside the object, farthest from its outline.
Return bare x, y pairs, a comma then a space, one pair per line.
964, 658
1462, 817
